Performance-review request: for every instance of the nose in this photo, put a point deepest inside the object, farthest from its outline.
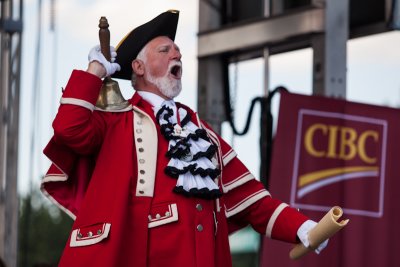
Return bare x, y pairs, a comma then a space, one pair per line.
176, 54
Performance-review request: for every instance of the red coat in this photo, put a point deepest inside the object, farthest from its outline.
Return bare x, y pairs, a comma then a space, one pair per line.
107, 174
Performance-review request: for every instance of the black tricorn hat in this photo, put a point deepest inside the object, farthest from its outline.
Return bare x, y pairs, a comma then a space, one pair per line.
129, 47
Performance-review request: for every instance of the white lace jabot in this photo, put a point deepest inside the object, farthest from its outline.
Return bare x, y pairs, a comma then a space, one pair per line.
189, 149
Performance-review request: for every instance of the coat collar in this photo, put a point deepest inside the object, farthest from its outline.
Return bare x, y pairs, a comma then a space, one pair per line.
138, 101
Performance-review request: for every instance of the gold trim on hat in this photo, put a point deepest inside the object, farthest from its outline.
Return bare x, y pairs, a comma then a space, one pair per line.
123, 39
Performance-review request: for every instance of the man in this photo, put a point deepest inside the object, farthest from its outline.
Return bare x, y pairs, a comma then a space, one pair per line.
152, 184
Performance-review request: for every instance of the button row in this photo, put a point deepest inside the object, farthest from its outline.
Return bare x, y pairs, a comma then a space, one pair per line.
158, 216
199, 227
90, 234
141, 161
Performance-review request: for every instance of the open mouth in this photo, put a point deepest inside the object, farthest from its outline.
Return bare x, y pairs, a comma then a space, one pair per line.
176, 71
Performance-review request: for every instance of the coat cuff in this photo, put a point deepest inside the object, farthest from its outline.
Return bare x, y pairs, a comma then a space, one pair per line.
284, 223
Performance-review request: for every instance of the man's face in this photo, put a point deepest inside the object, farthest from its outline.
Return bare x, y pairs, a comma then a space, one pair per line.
163, 66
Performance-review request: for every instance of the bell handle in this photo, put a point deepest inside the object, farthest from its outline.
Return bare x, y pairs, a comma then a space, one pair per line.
104, 36
110, 97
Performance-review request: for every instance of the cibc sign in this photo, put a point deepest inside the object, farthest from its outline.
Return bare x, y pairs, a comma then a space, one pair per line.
337, 154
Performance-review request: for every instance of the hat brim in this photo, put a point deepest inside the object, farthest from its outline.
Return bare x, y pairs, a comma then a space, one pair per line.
129, 47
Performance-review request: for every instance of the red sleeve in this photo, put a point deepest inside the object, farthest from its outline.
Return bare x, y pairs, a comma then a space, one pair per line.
246, 201
76, 125
270, 217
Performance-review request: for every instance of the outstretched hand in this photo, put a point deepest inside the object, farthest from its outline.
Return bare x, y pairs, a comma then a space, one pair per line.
99, 65
303, 231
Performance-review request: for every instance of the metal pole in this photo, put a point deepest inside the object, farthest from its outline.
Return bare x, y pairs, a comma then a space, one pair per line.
264, 124
330, 54
10, 60
210, 71
3, 129
264, 120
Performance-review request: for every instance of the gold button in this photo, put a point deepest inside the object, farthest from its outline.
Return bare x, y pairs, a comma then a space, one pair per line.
199, 227
199, 207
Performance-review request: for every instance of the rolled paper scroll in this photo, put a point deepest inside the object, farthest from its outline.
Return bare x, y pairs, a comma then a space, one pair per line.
325, 228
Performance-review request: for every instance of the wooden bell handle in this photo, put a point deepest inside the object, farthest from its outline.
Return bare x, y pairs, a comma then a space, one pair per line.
104, 36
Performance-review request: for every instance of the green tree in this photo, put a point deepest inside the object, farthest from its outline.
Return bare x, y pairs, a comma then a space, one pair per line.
43, 231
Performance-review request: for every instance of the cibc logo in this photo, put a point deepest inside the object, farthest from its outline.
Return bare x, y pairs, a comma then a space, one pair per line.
339, 159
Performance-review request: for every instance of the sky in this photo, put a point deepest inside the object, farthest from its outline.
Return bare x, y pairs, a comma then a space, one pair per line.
373, 69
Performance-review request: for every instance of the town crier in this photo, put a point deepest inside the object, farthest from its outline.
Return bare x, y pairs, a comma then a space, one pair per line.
151, 184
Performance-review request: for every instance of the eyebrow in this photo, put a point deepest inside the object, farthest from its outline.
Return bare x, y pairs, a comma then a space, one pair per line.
169, 46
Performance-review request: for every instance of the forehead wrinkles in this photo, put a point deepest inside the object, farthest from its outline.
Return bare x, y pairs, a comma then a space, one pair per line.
162, 41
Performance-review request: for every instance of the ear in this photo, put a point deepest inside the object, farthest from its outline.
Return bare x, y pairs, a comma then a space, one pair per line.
138, 67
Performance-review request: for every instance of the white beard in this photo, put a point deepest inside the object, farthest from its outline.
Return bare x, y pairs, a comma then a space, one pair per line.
168, 86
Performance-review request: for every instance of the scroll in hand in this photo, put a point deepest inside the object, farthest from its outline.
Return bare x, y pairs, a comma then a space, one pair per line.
325, 228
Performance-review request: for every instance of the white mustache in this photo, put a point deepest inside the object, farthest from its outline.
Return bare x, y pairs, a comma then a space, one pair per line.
174, 64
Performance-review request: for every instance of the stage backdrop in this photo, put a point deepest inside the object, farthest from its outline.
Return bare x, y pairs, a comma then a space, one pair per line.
331, 152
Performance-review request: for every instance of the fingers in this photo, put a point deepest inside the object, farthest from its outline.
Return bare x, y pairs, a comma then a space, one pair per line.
322, 246
113, 56
113, 53
110, 67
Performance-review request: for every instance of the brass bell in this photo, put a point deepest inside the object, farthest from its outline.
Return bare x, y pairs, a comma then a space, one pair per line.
110, 97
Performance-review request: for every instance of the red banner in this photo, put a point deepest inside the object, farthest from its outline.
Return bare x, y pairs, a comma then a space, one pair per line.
331, 152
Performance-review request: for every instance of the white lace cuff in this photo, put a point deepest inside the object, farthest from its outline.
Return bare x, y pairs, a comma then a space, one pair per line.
303, 231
